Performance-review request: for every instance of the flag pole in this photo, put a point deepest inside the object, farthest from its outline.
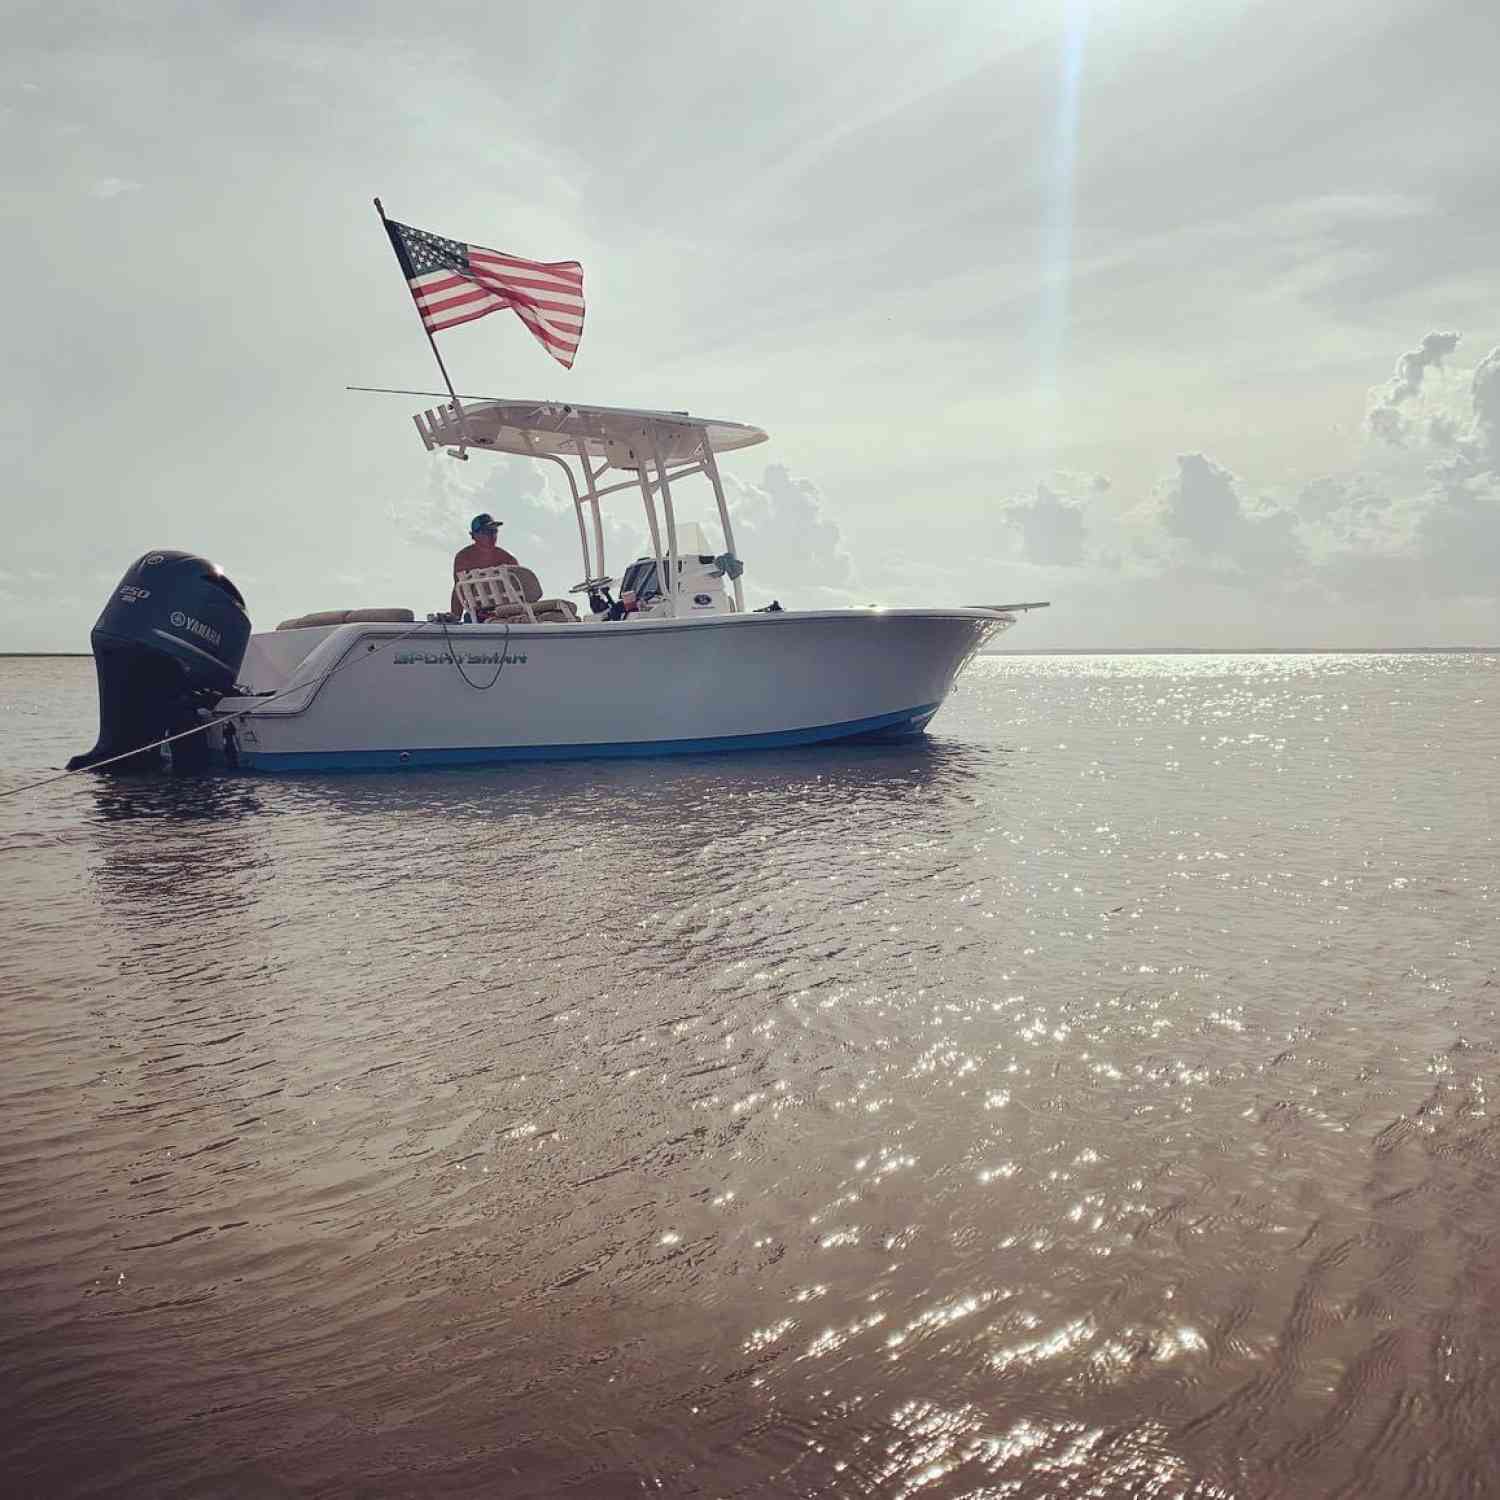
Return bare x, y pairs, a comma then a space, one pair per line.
458, 409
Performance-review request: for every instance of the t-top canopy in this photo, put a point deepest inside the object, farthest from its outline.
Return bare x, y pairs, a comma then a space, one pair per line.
626, 438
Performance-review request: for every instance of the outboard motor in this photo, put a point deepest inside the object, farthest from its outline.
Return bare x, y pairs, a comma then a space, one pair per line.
170, 641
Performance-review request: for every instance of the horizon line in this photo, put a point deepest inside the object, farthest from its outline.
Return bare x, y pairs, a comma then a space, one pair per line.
1240, 651
1066, 651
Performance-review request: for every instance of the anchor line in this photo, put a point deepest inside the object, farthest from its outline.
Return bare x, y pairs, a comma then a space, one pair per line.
243, 713
479, 687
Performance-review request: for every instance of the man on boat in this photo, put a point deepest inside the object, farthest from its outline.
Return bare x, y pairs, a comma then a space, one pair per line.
480, 553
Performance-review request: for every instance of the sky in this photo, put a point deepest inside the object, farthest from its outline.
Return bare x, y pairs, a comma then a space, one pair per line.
1185, 317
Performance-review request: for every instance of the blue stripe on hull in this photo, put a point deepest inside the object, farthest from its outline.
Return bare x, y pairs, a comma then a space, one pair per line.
906, 724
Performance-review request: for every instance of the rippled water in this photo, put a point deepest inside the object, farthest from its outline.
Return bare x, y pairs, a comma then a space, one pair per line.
1092, 1101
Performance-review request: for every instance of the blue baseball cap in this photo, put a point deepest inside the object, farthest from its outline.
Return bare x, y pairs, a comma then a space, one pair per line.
484, 522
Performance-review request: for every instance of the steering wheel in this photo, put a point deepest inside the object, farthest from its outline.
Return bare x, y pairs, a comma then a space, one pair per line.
590, 584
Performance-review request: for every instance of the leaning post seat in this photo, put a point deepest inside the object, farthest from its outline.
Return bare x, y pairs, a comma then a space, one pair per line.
512, 594
349, 617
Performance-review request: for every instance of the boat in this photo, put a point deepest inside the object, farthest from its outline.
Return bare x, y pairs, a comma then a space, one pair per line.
668, 659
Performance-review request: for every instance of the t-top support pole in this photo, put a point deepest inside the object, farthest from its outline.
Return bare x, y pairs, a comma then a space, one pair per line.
591, 480
645, 483
711, 468
674, 570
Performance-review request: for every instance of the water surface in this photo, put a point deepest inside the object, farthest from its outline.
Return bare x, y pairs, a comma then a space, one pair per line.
1092, 1100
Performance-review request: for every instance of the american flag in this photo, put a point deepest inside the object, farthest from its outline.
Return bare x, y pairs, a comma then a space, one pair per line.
453, 283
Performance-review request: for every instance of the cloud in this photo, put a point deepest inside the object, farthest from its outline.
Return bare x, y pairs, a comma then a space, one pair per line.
1202, 505
1203, 508
112, 187
1442, 431
1408, 528
1387, 424
1458, 531
1331, 495
791, 546
1407, 381
1384, 419
1431, 532
440, 516
1458, 538
1053, 530
1485, 395
1472, 445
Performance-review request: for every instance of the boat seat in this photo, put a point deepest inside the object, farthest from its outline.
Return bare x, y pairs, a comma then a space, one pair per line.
349, 617
512, 594
543, 612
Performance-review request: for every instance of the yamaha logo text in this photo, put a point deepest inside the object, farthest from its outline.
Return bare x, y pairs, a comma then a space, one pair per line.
196, 627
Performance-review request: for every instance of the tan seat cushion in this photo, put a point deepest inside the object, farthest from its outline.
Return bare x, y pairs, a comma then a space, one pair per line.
379, 617
548, 612
349, 617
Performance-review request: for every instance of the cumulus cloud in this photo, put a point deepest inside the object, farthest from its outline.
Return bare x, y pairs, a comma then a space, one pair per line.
1459, 538
1387, 424
1458, 531
1333, 495
439, 516
1384, 419
1442, 431
1410, 367
1433, 531
1474, 437
1203, 508
790, 544
1413, 524
1053, 530
1485, 394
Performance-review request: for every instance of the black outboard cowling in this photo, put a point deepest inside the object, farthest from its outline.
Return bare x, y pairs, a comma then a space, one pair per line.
170, 641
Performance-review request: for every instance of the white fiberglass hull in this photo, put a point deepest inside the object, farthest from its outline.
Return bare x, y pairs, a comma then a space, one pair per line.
378, 696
